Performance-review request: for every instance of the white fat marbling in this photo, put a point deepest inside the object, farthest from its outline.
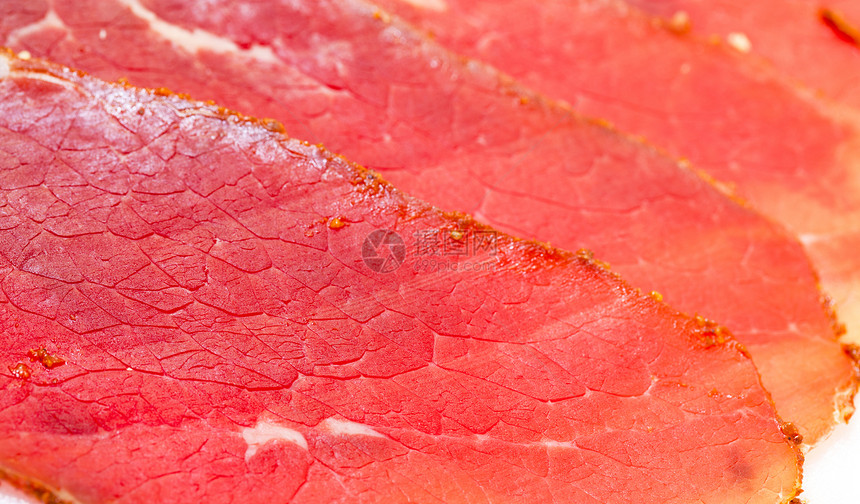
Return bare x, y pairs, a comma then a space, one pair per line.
50, 21
347, 428
196, 40
435, 5
264, 431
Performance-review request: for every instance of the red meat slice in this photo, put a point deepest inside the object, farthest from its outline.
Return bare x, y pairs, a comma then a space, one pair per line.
202, 278
460, 136
791, 154
813, 41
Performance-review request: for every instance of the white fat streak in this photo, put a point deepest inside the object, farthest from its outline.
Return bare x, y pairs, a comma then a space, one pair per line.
347, 428
263, 432
435, 5
42, 77
559, 444
7, 70
197, 40
548, 443
51, 20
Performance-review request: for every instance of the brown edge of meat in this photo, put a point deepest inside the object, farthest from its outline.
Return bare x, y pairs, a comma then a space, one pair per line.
845, 402
38, 490
370, 183
843, 407
510, 86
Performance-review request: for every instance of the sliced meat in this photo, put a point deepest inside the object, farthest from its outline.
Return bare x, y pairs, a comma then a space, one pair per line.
226, 332
786, 150
789, 152
814, 41
815, 191
462, 137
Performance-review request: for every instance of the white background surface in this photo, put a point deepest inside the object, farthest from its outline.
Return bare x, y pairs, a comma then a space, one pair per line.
831, 472
832, 469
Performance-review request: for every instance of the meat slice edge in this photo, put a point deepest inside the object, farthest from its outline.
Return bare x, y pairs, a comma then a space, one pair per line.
819, 196
507, 156
702, 102
788, 149
201, 278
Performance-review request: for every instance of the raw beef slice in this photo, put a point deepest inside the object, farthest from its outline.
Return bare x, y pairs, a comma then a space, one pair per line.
788, 151
461, 136
201, 279
812, 186
822, 35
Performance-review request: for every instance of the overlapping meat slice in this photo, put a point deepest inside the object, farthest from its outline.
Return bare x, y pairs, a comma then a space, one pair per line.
813, 41
462, 137
788, 151
226, 331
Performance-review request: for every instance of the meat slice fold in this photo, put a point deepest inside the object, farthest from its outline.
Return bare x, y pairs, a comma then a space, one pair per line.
213, 289
461, 136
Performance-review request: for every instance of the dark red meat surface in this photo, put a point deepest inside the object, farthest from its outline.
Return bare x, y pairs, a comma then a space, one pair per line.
461, 136
201, 277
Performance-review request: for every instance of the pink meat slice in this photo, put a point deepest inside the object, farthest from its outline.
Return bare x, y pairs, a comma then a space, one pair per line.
789, 151
461, 136
207, 283
814, 41
818, 196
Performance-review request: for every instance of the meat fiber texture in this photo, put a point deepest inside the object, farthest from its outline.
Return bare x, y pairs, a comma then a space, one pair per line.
700, 101
788, 149
462, 136
201, 277
814, 46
